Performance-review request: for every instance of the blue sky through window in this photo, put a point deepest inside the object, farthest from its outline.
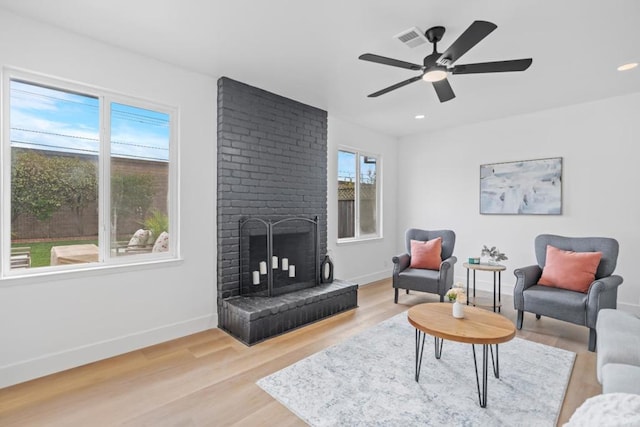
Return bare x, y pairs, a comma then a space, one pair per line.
48, 119
139, 133
347, 167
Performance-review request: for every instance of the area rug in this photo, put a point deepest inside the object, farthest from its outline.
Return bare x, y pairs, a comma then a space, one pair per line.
368, 380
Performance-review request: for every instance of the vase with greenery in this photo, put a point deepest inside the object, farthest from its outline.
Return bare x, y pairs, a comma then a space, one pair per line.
458, 297
492, 255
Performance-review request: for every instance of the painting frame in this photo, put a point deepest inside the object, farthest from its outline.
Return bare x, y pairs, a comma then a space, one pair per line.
524, 187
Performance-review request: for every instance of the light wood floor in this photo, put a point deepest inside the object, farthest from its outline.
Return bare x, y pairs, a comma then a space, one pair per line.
208, 379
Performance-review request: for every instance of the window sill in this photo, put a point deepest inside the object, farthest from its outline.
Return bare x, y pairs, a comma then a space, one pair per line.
97, 270
341, 242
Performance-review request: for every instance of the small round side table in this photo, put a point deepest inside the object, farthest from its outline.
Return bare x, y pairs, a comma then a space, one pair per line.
497, 269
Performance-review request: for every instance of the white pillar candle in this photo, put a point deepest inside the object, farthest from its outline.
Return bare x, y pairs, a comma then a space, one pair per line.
274, 262
256, 277
285, 263
292, 271
263, 267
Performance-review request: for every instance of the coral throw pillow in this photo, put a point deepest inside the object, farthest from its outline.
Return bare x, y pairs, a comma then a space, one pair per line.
426, 254
570, 270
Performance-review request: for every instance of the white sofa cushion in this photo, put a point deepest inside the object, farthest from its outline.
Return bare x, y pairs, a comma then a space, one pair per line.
620, 378
618, 339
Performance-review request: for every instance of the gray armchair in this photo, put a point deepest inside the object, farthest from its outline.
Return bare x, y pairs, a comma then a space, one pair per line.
563, 304
417, 279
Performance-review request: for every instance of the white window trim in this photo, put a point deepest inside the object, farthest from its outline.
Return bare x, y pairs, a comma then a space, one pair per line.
105, 261
358, 238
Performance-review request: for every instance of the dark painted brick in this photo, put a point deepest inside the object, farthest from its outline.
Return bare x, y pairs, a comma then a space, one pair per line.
272, 163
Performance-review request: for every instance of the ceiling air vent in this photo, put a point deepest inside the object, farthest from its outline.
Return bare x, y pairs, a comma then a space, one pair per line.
412, 37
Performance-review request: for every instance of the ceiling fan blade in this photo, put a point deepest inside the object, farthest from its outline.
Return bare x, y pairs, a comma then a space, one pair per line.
493, 67
477, 31
389, 61
395, 86
444, 90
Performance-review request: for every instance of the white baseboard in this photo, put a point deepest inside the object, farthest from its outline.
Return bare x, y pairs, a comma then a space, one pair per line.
370, 278
55, 362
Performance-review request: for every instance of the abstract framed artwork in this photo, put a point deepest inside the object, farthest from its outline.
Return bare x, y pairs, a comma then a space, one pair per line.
527, 187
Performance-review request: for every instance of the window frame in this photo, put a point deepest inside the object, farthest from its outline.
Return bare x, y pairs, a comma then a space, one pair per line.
106, 98
358, 237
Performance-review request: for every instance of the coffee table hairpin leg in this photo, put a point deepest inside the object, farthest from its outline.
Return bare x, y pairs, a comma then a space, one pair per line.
482, 396
420, 337
438, 348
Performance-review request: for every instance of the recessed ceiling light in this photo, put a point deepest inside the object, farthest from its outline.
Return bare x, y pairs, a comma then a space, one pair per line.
420, 116
628, 66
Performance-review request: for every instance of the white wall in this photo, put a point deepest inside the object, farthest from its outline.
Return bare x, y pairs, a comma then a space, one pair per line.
439, 176
366, 261
51, 324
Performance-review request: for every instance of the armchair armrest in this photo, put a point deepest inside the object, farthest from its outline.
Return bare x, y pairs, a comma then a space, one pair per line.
602, 293
448, 263
525, 278
604, 284
400, 262
446, 269
446, 274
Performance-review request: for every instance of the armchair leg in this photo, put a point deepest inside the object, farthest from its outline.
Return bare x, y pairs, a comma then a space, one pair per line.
407, 290
519, 319
396, 297
441, 298
538, 316
592, 339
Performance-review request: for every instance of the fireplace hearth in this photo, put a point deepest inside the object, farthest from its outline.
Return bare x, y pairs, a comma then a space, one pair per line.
280, 280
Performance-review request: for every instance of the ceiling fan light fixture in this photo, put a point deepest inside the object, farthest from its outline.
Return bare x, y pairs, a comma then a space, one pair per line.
437, 66
434, 75
628, 66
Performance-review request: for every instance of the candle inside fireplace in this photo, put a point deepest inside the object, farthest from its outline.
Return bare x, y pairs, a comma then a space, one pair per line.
256, 277
263, 267
292, 271
285, 263
274, 262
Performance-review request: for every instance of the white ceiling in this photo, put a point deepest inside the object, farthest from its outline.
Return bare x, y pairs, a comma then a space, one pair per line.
308, 50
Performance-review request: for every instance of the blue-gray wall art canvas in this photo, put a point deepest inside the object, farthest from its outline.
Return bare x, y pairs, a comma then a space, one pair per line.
529, 187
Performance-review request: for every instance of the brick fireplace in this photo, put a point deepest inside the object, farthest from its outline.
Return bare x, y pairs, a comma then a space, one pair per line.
272, 166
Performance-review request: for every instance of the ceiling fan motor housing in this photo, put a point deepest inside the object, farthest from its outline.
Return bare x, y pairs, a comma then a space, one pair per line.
434, 34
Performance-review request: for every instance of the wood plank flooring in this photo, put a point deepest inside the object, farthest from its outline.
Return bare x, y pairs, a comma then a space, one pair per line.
208, 379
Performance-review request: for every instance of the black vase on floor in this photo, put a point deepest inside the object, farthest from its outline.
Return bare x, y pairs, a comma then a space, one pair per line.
326, 270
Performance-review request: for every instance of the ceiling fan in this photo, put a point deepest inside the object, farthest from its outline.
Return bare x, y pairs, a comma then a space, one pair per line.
437, 65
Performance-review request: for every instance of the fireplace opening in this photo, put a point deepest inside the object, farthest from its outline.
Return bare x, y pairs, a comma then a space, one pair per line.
278, 257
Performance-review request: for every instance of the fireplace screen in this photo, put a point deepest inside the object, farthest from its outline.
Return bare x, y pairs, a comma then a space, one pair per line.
277, 257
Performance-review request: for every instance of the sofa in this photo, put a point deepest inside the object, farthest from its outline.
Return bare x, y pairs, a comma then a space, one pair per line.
618, 351
618, 370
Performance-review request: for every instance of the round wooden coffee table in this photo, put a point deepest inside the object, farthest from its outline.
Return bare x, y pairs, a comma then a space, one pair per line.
478, 326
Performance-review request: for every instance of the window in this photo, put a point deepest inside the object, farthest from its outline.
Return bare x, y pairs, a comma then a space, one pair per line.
89, 177
358, 195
